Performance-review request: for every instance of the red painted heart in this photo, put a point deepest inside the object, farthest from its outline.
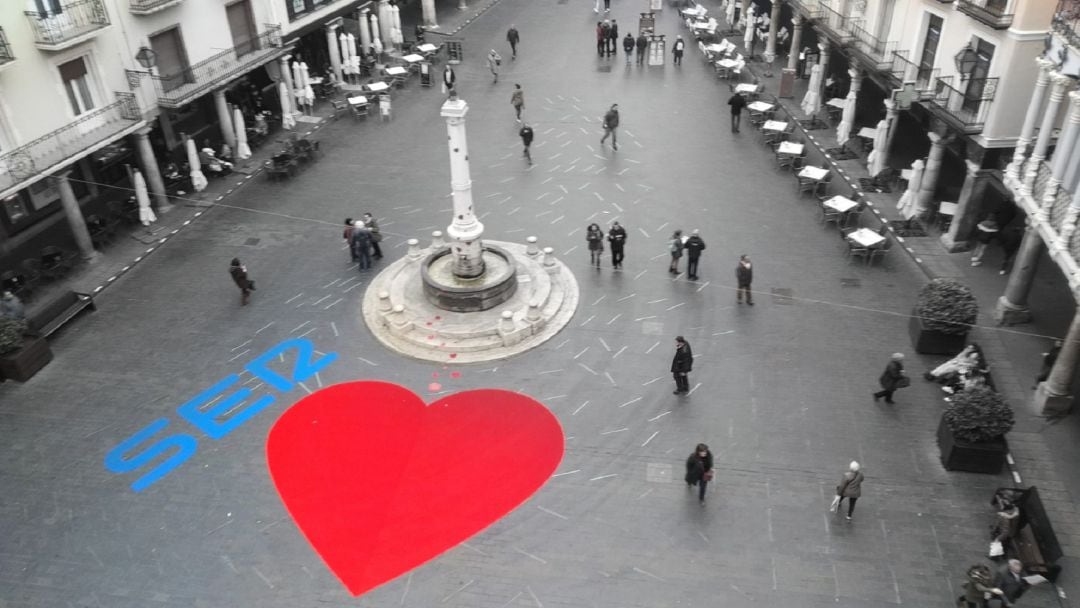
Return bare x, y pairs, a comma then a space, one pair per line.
380, 483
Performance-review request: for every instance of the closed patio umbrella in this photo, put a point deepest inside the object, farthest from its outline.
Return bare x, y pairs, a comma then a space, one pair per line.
376, 37
243, 150
396, 23
386, 23
811, 103
298, 82
354, 59
748, 35
309, 93
909, 202
365, 34
287, 119
142, 196
729, 13
876, 160
847, 119
198, 180
343, 43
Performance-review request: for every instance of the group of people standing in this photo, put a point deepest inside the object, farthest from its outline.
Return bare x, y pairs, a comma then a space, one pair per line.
363, 237
607, 37
616, 237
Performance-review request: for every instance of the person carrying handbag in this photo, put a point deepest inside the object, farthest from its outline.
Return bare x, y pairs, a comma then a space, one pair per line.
850, 487
892, 378
699, 470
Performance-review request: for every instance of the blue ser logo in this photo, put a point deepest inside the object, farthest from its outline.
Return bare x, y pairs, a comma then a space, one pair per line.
173, 450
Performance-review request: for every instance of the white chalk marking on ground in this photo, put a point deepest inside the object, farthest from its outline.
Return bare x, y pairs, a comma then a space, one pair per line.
299, 327
515, 210
334, 327
588, 369
408, 583
604, 477
613, 319
651, 437
550, 512
724, 333
468, 546
289, 301
647, 573
642, 230
610, 379
550, 371
330, 305
659, 416
586, 321
693, 389
567, 143
600, 299
515, 230
676, 306
332, 283
111, 279
616, 355
264, 327
768, 520
549, 130
562, 344
575, 414
535, 599
320, 300
570, 168
703, 286
573, 232
650, 381
585, 185
541, 197
459, 590
567, 252
557, 155
546, 180
543, 213
625, 297
99, 288
895, 584
235, 348
554, 169
632, 401
553, 398
530, 555
354, 287
582, 352
592, 216
606, 347
616, 205
263, 577
246, 351
615, 431
638, 275
558, 219
307, 332
658, 256
652, 347
597, 195
372, 363
504, 200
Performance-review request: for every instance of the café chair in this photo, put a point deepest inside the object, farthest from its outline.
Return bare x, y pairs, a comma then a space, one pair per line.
945, 213
828, 214
55, 262
340, 106
856, 250
880, 251
19, 283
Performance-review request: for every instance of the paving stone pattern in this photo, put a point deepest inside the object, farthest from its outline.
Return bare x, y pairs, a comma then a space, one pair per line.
781, 391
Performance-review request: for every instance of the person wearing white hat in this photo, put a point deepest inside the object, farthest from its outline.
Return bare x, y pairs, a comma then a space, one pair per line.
850, 487
494, 61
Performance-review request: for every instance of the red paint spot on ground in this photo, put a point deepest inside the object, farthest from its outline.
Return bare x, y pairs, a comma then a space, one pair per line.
435, 375
434, 387
453, 355
438, 318
455, 374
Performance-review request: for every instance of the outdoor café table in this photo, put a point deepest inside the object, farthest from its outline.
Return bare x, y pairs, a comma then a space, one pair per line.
759, 106
815, 173
397, 70
697, 11
774, 125
427, 48
790, 148
359, 100
868, 133
866, 238
727, 64
376, 87
841, 204
836, 102
746, 87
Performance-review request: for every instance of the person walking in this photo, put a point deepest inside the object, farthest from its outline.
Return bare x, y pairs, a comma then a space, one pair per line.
681, 366
347, 235
675, 246
986, 232
628, 46
892, 378
677, 49
1010, 239
613, 38
1010, 580
240, 276
601, 38
448, 79
526, 134
1049, 358
12, 307
617, 237
361, 243
642, 43
611, 122
737, 103
595, 237
376, 235
850, 487
694, 246
513, 38
607, 6
699, 470
517, 99
978, 588
744, 275
494, 61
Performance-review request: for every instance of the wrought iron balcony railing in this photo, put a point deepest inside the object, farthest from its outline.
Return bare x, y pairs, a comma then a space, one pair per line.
986, 12
809, 8
836, 24
6, 56
181, 87
875, 52
70, 142
148, 7
1067, 21
964, 107
55, 30
904, 70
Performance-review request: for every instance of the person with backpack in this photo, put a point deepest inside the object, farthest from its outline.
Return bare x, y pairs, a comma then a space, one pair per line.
694, 246
677, 49
675, 246
526, 134
517, 99
611, 122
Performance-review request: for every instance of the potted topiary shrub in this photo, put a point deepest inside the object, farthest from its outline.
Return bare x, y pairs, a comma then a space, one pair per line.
971, 435
943, 316
21, 355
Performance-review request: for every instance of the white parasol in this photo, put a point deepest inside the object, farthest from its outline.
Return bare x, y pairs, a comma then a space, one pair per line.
748, 35
365, 34
354, 59
309, 93
729, 14
298, 82
343, 42
386, 22
376, 38
876, 160
287, 119
811, 103
909, 202
198, 180
243, 151
847, 119
142, 196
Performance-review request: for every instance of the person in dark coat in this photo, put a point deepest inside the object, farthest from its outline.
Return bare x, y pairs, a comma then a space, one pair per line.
613, 38
694, 246
595, 238
617, 237
1010, 580
850, 487
677, 49
681, 365
891, 378
347, 235
675, 246
642, 43
628, 46
526, 134
601, 37
1010, 240
699, 470
376, 235
744, 275
1049, 358
361, 243
239, 276
611, 123
737, 103
513, 38
977, 588
449, 78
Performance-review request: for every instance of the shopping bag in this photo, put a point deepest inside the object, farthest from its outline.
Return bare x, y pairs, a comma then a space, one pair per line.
835, 503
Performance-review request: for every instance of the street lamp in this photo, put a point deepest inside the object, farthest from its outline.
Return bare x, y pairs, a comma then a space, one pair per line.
147, 58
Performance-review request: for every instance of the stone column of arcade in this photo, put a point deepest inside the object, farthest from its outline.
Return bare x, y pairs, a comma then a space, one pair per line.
465, 230
1052, 397
75, 218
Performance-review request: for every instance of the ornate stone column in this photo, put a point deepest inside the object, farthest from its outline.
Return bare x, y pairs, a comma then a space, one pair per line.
823, 61
427, 7
335, 48
892, 116
149, 165
1032, 115
466, 229
1072, 172
1068, 223
365, 32
1052, 397
286, 75
933, 169
1063, 153
796, 41
1046, 129
969, 209
224, 118
1012, 306
75, 218
770, 42
743, 12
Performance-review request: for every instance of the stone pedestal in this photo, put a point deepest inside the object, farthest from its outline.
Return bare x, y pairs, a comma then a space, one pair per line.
1007, 313
1048, 404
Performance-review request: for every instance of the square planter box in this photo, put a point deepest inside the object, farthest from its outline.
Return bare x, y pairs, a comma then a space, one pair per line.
956, 455
22, 364
931, 342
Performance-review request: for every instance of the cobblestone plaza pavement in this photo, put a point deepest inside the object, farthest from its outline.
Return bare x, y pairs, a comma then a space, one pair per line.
781, 390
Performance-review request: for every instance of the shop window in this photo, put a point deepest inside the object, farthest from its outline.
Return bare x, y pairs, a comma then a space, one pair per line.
16, 211
299, 8
77, 85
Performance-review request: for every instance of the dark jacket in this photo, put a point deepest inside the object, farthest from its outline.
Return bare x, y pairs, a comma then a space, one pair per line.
850, 485
744, 274
239, 276
683, 360
679, 46
696, 466
595, 239
628, 43
361, 238
603, 32
694, 246
891, 376
512, 36
347, 233
449, 78
613, 33
526, 134
611, 119
1013, 585
642, 42
617, 237
737, 103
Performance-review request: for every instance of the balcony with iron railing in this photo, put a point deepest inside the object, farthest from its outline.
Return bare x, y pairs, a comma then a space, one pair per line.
74, 22
989, 12
965, 107
70, 142
808, 8
182, 87
149, 7
6, 56
905, 70
837, 26
872, 51
1067, 21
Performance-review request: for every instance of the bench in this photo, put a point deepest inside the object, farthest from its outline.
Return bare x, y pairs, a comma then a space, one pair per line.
1034, 543
53, 313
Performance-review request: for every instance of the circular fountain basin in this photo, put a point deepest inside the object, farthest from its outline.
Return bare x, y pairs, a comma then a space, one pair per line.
449, 292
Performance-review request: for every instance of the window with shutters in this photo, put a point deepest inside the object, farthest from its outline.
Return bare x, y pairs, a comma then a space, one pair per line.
172, 62
77, 85
242, 27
